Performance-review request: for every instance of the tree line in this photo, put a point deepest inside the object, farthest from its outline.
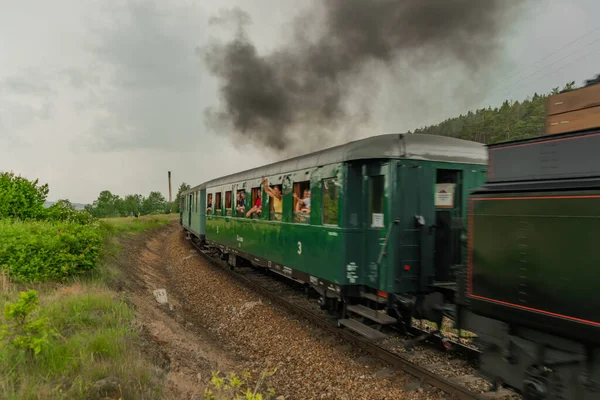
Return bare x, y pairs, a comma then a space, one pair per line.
111, 205
513, 120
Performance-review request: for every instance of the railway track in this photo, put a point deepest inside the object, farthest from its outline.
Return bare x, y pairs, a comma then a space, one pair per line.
451, 372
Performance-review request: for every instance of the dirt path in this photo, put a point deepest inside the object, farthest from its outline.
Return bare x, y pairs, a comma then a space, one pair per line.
181, 349
211, 323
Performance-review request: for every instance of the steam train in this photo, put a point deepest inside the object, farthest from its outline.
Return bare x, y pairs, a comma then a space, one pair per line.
405, 226
382, 236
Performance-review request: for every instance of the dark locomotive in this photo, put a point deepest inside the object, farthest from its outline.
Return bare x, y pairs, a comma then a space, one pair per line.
532, 279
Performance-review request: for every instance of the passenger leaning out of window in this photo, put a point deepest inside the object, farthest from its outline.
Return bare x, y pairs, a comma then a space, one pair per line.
241, 203
303, 204
257, 206
275, 194
209, 203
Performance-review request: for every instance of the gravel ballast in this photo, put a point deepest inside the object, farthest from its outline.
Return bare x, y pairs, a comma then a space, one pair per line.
310, 363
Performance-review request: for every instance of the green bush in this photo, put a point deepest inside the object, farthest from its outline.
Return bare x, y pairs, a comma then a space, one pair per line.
21, 198
21, 331
43, 250
64, 211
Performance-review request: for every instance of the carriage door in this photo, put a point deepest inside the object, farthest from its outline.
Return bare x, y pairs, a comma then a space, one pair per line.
190, 202
377, 222
448, 212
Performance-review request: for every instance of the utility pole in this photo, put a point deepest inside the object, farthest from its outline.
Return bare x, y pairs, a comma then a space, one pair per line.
170, 202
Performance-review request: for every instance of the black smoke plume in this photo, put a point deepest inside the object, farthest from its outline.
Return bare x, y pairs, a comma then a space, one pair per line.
306, 85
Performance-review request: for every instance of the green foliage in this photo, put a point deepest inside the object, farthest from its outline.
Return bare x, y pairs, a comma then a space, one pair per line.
132, 203
42, 250
238, 388
21, 198
511, 121
154, 203
117, 226
109, 205
90, 337
21, 330
177, 203
64, 211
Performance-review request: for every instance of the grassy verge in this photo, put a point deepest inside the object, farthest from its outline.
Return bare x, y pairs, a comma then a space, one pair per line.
89, 345
131, 225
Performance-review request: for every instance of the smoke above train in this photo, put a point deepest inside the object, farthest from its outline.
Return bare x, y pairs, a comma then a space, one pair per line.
320, 77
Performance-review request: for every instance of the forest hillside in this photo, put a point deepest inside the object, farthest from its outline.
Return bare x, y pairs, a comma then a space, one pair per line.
513, 120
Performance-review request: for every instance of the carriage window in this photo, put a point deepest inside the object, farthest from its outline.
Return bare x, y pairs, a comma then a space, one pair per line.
302, 202
330, 202
276, 205
377, 192
209, 204
197, 201
241, 203
218, 202
228, 202
254, 204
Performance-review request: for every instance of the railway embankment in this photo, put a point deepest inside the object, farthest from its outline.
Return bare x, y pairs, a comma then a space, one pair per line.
66, 334
265, 337
154, 320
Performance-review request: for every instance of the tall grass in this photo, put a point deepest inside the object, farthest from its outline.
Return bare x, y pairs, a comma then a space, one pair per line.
92, 338
92, 331
132, 225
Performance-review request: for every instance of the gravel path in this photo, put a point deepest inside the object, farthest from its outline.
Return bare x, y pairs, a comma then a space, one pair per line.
311, 365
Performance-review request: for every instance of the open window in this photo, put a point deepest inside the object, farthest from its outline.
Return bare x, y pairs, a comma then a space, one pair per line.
218, 202
275, 204
302, 202
330, 202
228, 202
445, 188
241, 203
448, 223
376, 207
254, 204
209, 203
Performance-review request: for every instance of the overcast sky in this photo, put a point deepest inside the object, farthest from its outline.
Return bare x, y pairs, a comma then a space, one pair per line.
111, 95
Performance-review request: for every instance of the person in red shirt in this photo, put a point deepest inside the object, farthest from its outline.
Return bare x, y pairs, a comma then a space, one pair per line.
257, 206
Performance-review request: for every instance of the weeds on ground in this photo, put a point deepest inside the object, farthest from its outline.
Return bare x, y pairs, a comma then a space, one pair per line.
22, 332
447, 328
72, 337
235, 387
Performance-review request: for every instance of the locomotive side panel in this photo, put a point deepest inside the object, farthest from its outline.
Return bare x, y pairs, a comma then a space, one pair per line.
533, 260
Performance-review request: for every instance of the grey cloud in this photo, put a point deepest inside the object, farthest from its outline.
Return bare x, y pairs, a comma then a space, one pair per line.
80, 79
28, 83
26, 98
155, 94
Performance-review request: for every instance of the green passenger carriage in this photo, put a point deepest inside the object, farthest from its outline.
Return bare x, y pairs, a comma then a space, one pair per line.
386, 226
